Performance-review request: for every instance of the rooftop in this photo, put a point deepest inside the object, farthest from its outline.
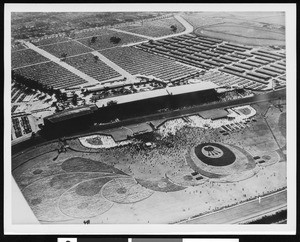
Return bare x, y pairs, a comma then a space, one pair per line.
71, 113
176, 90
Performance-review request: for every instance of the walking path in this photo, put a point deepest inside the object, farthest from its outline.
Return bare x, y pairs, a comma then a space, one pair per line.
63, 64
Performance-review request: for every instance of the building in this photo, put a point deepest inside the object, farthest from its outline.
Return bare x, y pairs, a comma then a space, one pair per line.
129, 106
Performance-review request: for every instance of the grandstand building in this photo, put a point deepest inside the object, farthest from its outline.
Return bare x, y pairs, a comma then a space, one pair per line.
68, 120
129, 106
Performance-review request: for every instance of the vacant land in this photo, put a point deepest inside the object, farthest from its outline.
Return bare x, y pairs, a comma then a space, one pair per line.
156, 28
248, 28
242, 34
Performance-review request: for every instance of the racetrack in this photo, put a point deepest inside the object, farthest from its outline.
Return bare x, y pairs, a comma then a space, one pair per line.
244, 210
246, 35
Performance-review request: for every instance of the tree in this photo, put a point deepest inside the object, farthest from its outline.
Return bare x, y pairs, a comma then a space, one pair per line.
174, 28
64, 96
33, 135
54, 104
93, 39
63, 56
96, 58
75, 99
51, 90
112, 102
115, 40
58, 94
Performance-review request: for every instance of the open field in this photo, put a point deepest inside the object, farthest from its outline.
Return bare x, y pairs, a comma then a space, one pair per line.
262, 17
203, 19
155, 28
199, 19
245, 31
100, 184
243, 34
250, 28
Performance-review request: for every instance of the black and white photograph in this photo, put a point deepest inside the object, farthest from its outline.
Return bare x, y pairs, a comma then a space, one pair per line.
159, 115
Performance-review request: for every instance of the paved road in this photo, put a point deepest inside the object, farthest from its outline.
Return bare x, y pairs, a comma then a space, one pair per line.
63, 64
113, 65
243, 211
188, 29
131, 33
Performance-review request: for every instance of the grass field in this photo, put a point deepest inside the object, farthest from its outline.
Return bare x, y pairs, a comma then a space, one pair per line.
248, 28
156, 28
243, 34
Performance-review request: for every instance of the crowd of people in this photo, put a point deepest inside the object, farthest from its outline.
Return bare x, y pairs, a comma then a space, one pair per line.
101, 141
233, 117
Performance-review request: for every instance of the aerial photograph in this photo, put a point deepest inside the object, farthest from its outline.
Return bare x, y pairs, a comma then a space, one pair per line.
150, 117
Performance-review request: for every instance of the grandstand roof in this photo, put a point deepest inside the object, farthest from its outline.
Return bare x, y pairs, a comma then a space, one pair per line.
214, 114
177, 90
71, 113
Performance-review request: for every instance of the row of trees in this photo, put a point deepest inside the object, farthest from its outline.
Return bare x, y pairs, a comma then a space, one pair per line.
113, 39
26, 82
